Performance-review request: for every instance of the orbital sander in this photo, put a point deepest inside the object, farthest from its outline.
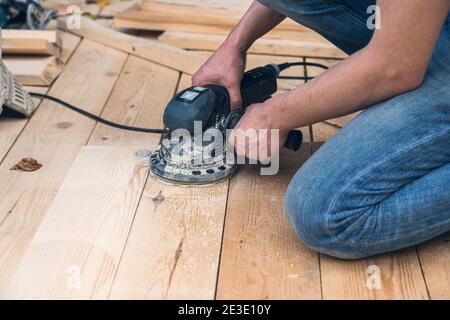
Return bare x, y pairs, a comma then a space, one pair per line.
187, 157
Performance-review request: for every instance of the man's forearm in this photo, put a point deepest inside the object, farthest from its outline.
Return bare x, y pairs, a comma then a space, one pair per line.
254, 24
360, 81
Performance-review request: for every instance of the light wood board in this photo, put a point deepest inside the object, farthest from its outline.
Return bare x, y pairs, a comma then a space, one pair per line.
294, 47
29, 47
154, 51
261, 256
224, 4
77, 248
200, 15
174, 247
435, 259
53, 136
392, 276
33, 71
51, 36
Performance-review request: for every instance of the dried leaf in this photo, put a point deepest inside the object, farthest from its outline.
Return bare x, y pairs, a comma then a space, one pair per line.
27, 164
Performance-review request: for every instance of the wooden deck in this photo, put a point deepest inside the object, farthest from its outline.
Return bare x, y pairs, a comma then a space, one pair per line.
87, 224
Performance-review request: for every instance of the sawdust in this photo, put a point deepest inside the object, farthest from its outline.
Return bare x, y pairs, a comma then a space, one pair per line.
27, 164
158, 200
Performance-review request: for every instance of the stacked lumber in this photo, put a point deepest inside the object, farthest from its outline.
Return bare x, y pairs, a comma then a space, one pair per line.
203, 25
32, 55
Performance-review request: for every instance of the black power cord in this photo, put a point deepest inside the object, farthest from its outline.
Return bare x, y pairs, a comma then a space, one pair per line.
286, 65
92, 116
95, 117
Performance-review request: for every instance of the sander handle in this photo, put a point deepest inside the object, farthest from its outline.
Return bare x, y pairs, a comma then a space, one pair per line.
257, 86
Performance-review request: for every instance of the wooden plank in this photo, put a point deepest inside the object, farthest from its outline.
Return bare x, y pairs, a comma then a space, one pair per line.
173, 248
394, 276
159, 53
201, 15
261, 255
224, 4
216, 22
29, 47
435, 260
127, 24
195, 41
33, 42
323, 131
85, 229
114, 8
139, 99
50, 36
53, 136
69, 43
33, 71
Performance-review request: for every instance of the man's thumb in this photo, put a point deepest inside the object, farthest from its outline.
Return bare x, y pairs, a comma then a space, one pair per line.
235, 97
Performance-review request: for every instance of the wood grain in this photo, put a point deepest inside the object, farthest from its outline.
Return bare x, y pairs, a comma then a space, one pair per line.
76, 250
29, 47
323, 131
33, 71
224, 4
200, 15
261, 256
138, 99
400, 277
53, 136
174, 245
295, 47
435, 259
154, 51
51, 36
69, 43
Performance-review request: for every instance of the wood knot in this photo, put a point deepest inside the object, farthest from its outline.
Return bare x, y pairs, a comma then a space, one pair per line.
64, 125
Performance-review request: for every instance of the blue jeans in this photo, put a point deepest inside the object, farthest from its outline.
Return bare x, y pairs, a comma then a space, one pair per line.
383, 182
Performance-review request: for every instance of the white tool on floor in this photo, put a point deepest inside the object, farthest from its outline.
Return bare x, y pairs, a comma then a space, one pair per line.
12, 94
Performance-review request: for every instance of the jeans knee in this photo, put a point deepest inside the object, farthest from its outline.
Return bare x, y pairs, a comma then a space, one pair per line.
305, 209
333, 235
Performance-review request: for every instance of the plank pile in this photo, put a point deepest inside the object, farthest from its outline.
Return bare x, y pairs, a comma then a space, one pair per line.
32, 55
203, 25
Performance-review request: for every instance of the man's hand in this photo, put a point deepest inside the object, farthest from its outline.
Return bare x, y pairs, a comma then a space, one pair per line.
225, 68
253, 133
